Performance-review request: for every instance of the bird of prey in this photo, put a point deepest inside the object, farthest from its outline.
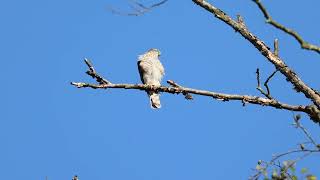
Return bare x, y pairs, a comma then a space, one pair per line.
151, 72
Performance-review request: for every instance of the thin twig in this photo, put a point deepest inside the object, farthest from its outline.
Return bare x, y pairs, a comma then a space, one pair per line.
174, 84
92, 72
304, 130
241, 21
302, 149
275, 158
267, 81
267, 94
259, 87
137, 7
303, 43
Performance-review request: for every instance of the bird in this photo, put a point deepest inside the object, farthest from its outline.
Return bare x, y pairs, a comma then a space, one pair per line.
151, 73
75, 177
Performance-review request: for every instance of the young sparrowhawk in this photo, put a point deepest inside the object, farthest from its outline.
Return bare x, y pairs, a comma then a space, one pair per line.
151, 72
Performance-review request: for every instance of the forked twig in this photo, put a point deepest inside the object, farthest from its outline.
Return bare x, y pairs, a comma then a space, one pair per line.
188, 96
303, 43
267, 94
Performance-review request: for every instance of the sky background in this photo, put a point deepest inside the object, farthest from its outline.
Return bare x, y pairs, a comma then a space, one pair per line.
50, 128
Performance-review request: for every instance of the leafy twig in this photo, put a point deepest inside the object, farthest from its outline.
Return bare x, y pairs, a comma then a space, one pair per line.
263, 165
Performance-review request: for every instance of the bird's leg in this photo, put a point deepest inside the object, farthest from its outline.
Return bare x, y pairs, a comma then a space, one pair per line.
151, 87
148, 86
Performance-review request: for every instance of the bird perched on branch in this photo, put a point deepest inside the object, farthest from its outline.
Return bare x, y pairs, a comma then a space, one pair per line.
151, 72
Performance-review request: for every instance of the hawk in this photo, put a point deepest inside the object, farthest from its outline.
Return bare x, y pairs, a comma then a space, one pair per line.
151, 72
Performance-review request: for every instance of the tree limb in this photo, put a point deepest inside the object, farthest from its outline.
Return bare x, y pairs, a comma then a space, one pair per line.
177, 89
92, 72
279, 64
215, 95
303, 43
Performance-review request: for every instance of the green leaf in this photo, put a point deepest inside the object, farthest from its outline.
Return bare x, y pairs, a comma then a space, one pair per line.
274, 172
304, 170
311, 177
293, 169
259, 168
265, 173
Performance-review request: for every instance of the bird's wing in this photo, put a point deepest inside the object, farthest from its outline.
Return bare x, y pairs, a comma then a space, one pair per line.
161, 68
145, 69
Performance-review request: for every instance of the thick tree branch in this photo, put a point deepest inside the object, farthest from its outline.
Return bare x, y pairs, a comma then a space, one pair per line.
279, 64
303, 44
311, 110
177, 90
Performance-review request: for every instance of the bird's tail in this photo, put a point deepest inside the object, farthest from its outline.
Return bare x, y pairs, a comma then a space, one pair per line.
154, 100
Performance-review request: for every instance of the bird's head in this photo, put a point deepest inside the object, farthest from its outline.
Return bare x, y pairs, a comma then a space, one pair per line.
154, 51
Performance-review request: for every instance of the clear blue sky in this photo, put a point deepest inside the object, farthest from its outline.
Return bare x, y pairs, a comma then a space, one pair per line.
49, 128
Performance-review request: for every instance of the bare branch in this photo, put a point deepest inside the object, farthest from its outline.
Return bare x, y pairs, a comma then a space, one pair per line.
304, 130
265, 51
91, 72
267, 81
158, 4
259, 87
177, 90
174, 84
137, 7
311, 110
303, 44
